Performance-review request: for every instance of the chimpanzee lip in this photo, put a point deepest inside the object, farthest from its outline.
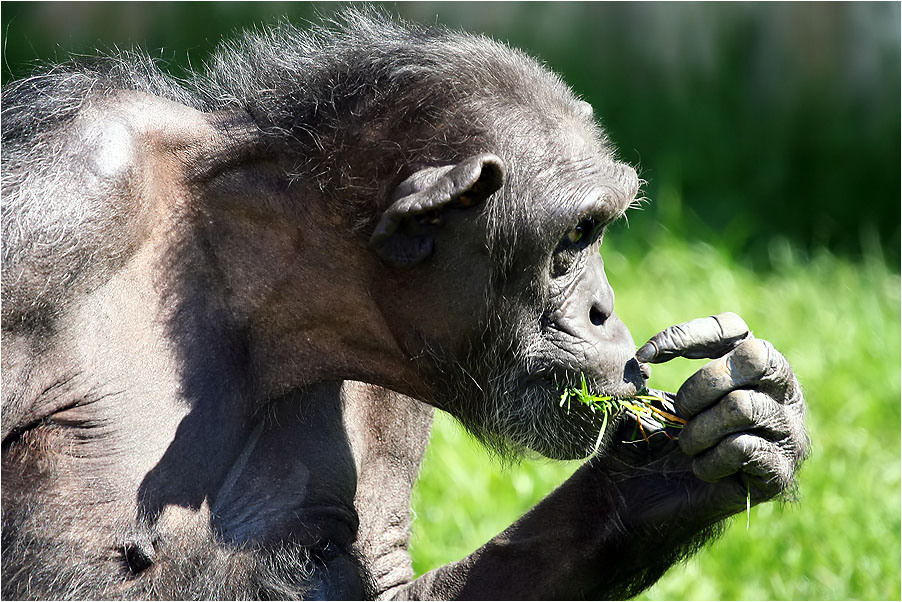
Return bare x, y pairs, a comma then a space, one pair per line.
556, 378
559, 378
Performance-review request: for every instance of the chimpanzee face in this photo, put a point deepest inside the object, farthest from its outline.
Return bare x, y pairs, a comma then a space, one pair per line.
507, 252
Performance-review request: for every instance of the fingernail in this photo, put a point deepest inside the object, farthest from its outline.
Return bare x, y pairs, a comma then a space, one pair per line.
647, 352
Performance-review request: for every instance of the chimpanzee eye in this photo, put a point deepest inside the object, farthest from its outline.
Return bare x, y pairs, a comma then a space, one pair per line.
575, 234
581, 232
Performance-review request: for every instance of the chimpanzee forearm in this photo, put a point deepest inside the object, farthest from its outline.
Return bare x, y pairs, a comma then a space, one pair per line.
583, 541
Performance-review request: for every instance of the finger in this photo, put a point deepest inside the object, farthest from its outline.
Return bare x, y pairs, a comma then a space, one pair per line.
643, 437
727, 458
778, 380
740, 410
709, 337
731, 455
765, 461
650, 426
744, 366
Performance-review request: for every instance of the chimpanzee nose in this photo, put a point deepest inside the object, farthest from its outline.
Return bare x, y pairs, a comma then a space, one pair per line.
601, 304
597, 316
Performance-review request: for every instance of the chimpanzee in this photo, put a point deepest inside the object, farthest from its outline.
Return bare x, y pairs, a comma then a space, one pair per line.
232, 301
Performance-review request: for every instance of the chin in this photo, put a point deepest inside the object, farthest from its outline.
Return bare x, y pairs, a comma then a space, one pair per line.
515, 409
573, 433
516, 421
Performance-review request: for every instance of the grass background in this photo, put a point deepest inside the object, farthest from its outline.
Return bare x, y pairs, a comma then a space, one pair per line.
769, 137
838, 323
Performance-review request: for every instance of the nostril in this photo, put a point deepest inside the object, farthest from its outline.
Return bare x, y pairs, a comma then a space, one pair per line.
596, 316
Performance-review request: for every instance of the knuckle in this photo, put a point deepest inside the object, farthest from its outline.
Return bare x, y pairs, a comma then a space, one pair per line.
785, 468
675, 337
795, 398
778, 379
747, 446
731, 325
771, 462
796, 446
739, 407
777, 472
801, 447
772, 470
778, 366
750, 360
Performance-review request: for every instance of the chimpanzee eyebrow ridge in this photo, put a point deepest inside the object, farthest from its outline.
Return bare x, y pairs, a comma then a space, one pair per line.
604, 202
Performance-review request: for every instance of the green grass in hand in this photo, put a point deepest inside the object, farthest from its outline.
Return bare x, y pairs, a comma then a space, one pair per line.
640, 405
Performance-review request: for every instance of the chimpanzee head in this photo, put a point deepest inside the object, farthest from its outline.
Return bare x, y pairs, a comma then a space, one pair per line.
482, 187
502, 247
545, 319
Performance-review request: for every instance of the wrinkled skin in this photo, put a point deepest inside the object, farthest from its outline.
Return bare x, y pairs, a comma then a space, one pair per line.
220, 383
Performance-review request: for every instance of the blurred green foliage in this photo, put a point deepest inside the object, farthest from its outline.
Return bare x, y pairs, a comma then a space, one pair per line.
748, 121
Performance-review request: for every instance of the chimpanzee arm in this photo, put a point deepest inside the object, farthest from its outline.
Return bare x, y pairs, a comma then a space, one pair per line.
580, 542
622, 519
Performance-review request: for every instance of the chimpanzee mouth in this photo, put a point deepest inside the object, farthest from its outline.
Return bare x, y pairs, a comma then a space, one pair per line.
586, 411
560, 379
559, 390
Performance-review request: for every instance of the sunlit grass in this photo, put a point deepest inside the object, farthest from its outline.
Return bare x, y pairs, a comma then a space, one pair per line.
838, 323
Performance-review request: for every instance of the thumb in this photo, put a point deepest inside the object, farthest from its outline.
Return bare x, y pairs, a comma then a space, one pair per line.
710, 337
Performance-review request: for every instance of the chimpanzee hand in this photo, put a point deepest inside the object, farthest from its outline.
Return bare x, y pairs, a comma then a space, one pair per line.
745, 409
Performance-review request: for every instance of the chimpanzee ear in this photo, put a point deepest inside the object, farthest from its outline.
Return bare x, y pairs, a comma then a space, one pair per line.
405, 234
